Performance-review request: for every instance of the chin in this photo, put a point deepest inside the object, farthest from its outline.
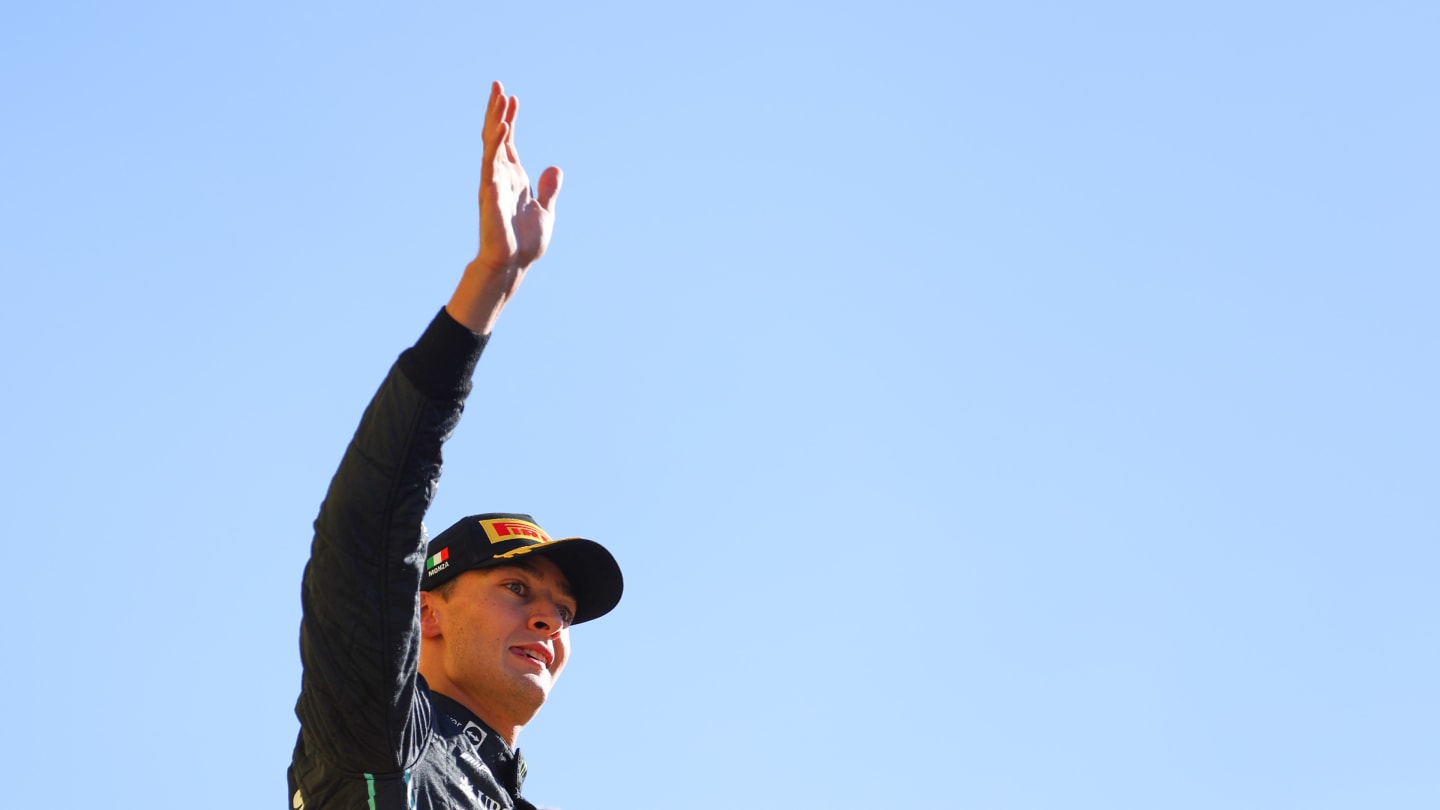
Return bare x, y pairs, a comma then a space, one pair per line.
531, 692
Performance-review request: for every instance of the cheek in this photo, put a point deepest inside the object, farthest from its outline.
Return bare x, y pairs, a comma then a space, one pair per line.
482, 628
562, 651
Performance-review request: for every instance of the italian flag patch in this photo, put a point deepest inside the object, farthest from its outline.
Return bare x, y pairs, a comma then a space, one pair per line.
437, 559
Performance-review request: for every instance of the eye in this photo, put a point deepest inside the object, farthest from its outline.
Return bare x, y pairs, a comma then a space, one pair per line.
567, 615
517, 587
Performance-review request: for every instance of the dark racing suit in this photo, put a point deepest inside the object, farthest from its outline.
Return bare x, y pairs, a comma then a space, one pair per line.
372, 734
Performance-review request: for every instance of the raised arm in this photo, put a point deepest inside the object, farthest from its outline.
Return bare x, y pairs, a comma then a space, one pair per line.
515, 223
358, 706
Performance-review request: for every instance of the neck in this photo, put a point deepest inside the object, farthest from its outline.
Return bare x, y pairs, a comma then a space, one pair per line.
509, 731
492, 710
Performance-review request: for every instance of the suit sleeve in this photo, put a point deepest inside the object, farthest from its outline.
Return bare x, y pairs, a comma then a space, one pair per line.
360, 632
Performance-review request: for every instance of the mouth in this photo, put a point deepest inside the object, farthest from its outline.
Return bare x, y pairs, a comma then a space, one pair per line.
534, 652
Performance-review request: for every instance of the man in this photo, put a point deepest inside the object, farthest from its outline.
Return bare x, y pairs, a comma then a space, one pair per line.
423, 662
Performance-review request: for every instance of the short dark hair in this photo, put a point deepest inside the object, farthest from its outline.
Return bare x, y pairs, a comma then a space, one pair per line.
444, 589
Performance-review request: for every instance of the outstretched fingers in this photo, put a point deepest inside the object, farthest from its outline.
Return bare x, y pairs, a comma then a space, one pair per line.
493, 132
511, 109
495, 114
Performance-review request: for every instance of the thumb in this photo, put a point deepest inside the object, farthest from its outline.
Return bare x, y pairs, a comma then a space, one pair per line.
549, 188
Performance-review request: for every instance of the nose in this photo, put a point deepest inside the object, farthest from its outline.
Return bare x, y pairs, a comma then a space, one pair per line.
549, 618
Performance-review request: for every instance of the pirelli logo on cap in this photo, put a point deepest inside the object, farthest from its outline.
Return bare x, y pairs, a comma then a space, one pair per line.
501, 530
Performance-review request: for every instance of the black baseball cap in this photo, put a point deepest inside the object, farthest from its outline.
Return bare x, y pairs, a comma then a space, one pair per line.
497, 538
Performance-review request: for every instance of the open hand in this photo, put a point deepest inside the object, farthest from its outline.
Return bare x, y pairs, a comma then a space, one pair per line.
515, 224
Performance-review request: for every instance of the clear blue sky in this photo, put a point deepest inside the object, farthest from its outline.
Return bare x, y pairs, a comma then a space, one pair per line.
1009, 406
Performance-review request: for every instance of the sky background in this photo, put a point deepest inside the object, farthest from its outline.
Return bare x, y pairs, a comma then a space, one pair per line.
1009, 406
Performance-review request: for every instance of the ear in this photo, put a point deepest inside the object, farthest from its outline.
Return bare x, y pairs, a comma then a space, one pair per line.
430, 615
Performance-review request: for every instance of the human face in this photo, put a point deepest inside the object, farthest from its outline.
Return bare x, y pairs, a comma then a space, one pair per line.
506, 637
